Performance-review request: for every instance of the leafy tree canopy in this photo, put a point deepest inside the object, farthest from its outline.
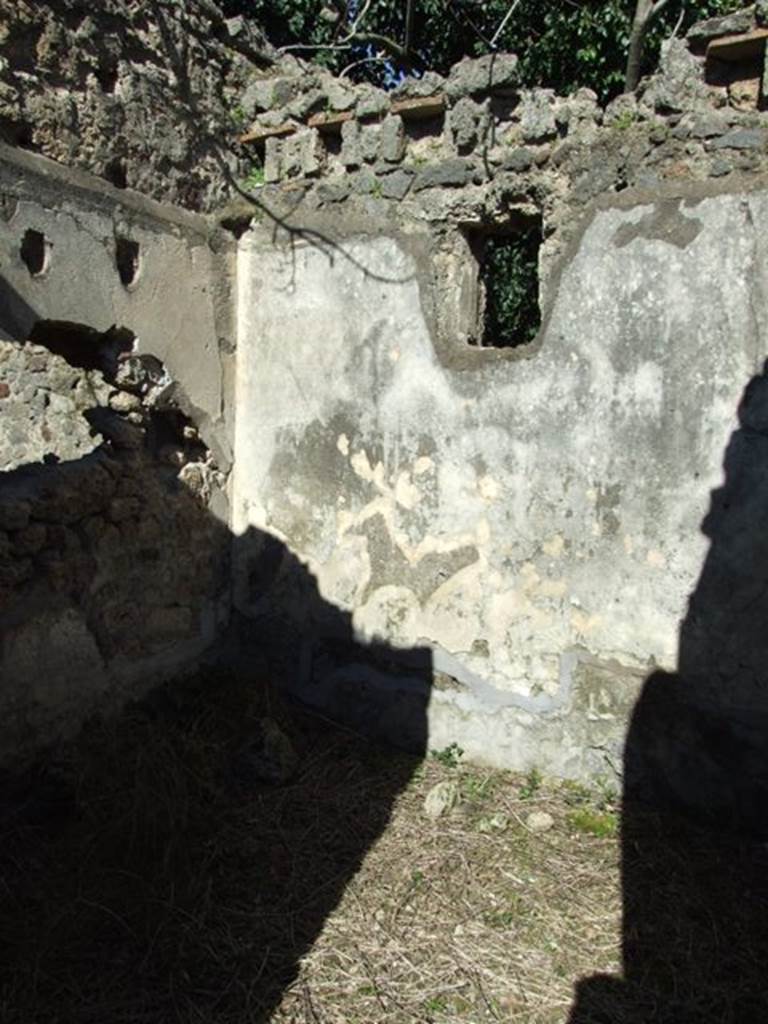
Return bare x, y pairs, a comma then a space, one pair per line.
562, 44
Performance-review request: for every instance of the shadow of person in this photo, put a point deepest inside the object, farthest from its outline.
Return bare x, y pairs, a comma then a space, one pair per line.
695, 807
155, 874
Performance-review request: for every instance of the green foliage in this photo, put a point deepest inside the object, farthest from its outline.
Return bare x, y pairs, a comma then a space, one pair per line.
449, 756
254, 180
532, 784
561, 44
509, 274
602, 824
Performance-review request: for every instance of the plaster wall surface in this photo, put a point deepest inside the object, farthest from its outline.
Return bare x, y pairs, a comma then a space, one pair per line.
179, 306
536, 522
114, 510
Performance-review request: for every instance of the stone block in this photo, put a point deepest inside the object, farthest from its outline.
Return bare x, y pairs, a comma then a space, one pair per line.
468, 124
369, 142
371, 102
396, 185
351, 155
537, 115
392, 139
519, 159
448, 174
312, 153
740, 138
495, 72
272, 161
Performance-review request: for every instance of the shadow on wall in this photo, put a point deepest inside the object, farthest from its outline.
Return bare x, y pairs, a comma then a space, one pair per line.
156, 873
695, 815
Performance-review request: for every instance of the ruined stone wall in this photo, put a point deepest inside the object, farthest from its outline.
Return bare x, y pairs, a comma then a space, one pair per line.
144, 95
113, 570
116, 350
552, 520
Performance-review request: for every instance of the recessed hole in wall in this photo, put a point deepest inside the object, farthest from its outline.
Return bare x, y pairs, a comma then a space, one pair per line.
83, 346
16, 133
34, 251
127, 260
106, 75
115, 173
508, 284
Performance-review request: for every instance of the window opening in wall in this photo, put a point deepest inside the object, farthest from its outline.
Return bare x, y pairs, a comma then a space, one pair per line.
508, 285
127, 260
34, 251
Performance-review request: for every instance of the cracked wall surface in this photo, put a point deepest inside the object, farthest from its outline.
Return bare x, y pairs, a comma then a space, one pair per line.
536, 522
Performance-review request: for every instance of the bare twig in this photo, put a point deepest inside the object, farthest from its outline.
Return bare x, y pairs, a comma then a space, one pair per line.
505, 19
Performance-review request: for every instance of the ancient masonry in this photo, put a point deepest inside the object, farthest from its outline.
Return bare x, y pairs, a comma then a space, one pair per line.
288, 408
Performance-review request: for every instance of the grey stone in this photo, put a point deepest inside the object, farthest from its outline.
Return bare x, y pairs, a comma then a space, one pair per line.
341, 96
496, 72
539, 821
397, 184
290, 157
369, 142
267, 94
449, 173
679, 83
709, 124
272, 167
351, 155
371, 102
440, 799
720, 167
306, 103
333, 191
761, 12
713, 28
581, 105
392, 139
537, 116
621, 110
468, 123
430, 84
364, 182
312, 153
519, 159
740, 138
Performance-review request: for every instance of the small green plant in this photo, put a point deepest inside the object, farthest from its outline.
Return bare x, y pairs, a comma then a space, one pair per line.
254, 180
449, 756
532, 784
501, 919
576, 794
238, 116
602, 824
625, 120
477, 788
376, 190
436, 1004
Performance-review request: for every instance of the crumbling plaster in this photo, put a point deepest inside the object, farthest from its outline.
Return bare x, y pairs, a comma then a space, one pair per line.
535, 521
179, 307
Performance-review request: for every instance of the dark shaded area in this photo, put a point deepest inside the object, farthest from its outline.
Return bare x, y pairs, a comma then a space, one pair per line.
84, 346
152, 870
33, 251
695, 817
127, 260
509, 284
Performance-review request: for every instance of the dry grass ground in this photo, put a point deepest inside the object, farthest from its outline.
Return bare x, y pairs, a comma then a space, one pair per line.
143, 880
